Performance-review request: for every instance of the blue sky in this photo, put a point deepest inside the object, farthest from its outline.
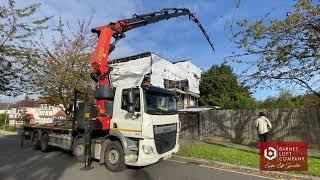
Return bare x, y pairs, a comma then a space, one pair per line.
176, 39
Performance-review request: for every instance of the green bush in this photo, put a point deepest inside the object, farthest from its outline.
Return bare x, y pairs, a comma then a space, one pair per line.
2, 119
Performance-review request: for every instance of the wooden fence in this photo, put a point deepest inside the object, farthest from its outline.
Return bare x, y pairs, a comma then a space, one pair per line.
290, 125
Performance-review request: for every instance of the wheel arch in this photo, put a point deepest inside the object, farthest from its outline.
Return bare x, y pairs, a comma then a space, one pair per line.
113, 136
35, 145
42, 132
78, 136
34, 132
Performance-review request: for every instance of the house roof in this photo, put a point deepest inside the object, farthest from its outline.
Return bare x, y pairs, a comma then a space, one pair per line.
28, 102
5, 106
30, 115
60, 113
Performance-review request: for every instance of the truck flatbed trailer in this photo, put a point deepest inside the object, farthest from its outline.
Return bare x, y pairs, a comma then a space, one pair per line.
48, 127
63, 136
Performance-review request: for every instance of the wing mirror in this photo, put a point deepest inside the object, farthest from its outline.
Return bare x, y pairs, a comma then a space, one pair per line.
130, 102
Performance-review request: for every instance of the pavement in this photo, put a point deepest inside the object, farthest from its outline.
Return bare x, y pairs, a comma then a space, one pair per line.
3, 133
25, 164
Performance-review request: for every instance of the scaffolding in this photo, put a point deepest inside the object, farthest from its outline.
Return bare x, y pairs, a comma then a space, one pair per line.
148, 68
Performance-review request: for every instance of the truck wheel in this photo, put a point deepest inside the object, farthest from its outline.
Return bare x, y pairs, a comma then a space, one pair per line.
79, 150
35, 141
114, 157
44, 143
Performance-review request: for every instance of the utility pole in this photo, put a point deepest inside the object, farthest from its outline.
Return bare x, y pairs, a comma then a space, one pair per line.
7, 115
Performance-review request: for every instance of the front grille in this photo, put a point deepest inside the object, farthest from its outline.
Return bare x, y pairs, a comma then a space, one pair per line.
165, 137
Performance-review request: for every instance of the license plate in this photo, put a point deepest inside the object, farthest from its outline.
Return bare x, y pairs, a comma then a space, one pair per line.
167, 156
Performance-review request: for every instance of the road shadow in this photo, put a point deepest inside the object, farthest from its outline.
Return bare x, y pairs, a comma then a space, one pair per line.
30, 164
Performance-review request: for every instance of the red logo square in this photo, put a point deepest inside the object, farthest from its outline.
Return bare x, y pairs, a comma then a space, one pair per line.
283, 156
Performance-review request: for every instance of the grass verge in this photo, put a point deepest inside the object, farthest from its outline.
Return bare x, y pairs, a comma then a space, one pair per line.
237, 157
12, 136
9, 128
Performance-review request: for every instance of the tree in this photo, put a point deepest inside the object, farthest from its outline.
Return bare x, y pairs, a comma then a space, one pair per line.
219, 87
24, 117
64, 65
286, 99
16, 33
3, 118
285, 49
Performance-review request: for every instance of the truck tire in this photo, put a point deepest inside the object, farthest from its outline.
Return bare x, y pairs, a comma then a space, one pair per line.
44, 142
35, 141
79, 150
114, 157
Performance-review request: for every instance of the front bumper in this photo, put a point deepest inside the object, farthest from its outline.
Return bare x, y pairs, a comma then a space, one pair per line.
151, 158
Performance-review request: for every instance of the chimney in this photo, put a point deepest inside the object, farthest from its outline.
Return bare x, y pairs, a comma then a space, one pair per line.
27, 98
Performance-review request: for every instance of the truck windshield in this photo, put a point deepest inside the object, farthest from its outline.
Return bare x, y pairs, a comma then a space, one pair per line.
160, 103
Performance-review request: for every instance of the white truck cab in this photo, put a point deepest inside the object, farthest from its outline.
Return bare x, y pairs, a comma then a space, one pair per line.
150, 128
143, 130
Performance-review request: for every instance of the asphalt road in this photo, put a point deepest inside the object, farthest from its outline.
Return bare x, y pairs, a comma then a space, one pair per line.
17, 164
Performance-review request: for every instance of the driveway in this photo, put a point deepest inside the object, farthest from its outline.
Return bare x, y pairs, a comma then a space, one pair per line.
16, 164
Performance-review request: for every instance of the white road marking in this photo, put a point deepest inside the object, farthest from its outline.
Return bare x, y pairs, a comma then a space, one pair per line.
221, 169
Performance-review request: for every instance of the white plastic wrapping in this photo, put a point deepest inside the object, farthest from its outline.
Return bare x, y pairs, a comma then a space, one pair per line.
131, 73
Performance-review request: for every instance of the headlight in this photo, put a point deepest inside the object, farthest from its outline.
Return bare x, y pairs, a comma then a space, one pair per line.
147, 149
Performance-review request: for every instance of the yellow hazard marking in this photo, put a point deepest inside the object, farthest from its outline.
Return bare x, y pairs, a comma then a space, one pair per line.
100, 53
127, 130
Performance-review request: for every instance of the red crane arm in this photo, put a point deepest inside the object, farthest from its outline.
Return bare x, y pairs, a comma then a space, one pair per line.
99, 60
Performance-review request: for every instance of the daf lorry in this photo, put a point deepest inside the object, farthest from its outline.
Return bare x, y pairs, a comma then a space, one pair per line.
135, 126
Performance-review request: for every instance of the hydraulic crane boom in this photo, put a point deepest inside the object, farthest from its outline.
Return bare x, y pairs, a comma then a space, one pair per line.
99, 60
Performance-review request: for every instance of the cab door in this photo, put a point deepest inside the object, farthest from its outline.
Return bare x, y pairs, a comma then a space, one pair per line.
128, 123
